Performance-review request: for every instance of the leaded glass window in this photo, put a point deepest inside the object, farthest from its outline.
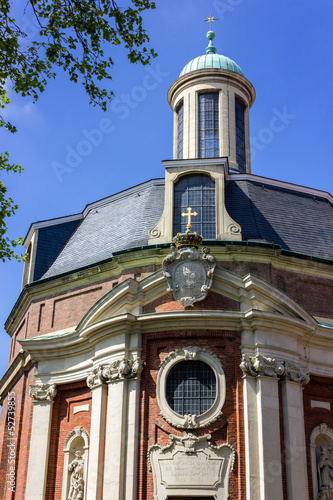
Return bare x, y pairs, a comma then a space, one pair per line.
180, 130
208, 125
198, 192
191, 388
240, 135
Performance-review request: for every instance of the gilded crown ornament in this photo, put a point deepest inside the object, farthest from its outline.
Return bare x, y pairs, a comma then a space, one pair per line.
188, 239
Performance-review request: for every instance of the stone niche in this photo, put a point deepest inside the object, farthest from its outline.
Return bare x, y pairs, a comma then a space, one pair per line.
191, 466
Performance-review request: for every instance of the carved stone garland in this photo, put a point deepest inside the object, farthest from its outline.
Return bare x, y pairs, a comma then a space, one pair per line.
268, 367
121, 369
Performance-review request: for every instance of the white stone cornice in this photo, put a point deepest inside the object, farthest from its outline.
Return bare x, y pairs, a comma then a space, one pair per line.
261, 366
43, 392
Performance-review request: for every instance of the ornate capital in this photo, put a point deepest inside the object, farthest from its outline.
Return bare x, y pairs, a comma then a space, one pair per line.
43, 392
121, 369
296, 373
276, 368
95, 378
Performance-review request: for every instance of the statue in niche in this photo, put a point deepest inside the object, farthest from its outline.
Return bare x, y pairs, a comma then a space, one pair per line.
76, 481
325, 475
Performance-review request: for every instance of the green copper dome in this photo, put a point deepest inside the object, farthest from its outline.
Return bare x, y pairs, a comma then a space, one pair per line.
211, 60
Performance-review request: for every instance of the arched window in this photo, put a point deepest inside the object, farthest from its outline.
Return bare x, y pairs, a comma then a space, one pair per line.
180, 113
209, 125
240, 135
198, 192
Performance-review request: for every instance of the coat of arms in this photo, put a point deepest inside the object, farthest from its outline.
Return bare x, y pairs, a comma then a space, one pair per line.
189, 275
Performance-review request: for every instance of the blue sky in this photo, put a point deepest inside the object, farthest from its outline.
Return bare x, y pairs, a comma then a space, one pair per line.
284, 48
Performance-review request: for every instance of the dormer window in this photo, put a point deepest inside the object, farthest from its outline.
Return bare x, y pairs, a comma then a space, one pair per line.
209, 125
198, 192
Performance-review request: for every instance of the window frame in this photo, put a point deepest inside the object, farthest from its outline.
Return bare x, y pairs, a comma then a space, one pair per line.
199, 94
180, 105
203, 224
238, 99
189, 421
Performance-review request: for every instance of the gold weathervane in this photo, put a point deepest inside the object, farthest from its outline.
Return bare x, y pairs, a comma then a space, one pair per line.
189, 214
210, 20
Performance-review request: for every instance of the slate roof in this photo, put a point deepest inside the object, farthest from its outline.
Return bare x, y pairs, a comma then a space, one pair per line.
297, 221
117, 223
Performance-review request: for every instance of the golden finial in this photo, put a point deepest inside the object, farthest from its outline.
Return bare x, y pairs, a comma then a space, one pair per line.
210, 20
189, 214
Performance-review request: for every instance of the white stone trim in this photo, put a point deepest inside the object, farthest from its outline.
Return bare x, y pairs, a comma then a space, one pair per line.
115, 449
78, 409
97, 441
39, 450
191, 421
78, 432
321, 404
321, 429
294, 440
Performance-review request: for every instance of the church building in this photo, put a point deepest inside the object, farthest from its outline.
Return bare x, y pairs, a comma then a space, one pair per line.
174, 341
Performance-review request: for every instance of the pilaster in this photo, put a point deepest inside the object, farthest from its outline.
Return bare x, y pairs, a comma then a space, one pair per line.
264, 479
119, 375
262, 427
43, 395
97, 435
294, 379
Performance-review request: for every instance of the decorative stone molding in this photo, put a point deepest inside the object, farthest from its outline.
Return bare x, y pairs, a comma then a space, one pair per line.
43, 392
268, 367
191, 421
75, 433
189, 275
95, 378
121, 369
189, 464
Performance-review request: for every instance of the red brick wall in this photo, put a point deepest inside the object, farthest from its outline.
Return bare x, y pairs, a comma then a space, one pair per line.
213, 301
228, 428
19, 457
65, 310
63, 422
319, 389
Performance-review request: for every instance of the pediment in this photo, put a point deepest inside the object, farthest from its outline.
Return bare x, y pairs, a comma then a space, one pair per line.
229, 293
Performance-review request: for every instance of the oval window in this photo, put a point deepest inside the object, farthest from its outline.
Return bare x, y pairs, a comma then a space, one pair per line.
191, 388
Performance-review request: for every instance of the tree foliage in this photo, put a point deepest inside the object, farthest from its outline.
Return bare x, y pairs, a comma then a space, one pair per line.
73, 36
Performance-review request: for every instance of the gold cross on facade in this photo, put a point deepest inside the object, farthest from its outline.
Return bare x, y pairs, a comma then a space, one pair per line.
210, 20
189, 214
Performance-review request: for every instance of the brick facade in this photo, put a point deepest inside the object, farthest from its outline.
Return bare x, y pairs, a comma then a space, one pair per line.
228, 428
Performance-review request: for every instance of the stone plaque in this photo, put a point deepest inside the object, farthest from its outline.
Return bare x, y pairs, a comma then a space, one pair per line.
191, 465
